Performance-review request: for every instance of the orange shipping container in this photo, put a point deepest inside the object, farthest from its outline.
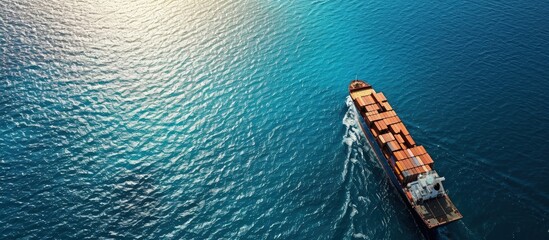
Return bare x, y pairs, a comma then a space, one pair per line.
399, 155
387, 121
420, 160
369, 120
372, 107
392, 120
378, 117
409, 141
360, 102
401, 166
415, 151
393, 146
381, 126
399, 138
396, 170
387, 114
412, 166
372, 118
394, 128
401, 163
427, 159
387, 137
409, 164
404, 129
403, 155
368, 100
377, 126
386, 106
401, 128
374, 132
409, 153
421, 150
376, 106
380, 97
402, 146
371, 113
415, 161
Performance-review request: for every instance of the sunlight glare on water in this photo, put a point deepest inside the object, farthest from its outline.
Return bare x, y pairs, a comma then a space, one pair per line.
228, 119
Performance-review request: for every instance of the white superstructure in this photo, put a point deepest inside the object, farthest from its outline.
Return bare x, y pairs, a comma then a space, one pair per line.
427, 186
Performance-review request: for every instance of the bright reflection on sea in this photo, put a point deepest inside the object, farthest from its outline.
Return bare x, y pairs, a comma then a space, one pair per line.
227, 119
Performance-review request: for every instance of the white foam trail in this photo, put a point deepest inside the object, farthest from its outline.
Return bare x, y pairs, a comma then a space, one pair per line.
349, 120
356, 150
353, 132
351, 136
360, 235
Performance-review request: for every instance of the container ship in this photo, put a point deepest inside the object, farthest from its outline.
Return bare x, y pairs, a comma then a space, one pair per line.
407, 164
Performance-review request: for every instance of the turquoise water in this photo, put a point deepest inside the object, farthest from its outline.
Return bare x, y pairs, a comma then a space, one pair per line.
220, 119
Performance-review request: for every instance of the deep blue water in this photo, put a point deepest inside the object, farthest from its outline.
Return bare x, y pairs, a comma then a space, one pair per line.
227, 119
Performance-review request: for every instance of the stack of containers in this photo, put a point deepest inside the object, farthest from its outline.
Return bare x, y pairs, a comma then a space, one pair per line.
410, 162
406, 159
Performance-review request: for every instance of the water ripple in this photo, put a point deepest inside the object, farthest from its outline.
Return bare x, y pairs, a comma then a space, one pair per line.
226, 119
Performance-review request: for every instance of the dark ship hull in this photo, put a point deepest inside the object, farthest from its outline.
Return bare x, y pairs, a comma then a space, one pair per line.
407, 165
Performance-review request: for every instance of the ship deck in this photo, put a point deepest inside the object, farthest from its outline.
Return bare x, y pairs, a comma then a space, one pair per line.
433, 212
438, 211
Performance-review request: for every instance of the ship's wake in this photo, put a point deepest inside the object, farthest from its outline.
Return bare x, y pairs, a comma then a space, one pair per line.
356, 203
360, 205
353, 135
353, 139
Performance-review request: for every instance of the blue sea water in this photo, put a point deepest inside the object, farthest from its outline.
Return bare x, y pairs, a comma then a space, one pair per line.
227, 119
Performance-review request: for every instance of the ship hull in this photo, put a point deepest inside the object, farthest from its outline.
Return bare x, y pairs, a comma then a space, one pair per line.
429, 233
407, 165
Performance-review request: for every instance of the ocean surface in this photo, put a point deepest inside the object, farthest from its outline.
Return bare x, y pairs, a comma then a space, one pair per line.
228, 119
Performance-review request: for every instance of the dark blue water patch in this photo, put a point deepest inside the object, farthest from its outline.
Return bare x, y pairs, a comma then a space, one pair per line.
224, 120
